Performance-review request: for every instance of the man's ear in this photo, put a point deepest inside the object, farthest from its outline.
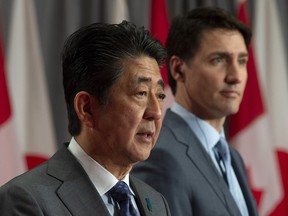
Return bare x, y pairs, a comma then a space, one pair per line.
84, 103
177, 68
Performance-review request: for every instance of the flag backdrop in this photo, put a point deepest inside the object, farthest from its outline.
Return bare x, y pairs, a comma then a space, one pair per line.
258, 130
11, 160
159, 27
27, 85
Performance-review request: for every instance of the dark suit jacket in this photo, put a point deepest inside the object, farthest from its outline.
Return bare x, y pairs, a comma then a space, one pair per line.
181, 169
60, 187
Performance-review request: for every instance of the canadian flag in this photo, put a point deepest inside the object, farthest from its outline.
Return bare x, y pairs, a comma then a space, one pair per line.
159, 27
11, 159
27, 86
259, 129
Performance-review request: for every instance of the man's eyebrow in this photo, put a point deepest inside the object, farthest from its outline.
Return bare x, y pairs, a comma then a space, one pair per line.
143, 79
161, 83
148, 79
242, 54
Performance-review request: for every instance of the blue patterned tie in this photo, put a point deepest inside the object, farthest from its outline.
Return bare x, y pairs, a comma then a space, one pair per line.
221, 157
122, 195
224, 157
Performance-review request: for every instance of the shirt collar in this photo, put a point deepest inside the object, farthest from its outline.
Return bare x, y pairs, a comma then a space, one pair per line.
206, 134
101, 178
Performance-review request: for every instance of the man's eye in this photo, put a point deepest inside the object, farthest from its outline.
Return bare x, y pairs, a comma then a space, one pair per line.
217, 60
142, 93
161, 96
242, 61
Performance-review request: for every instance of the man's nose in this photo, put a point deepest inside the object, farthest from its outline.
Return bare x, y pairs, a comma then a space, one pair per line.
235, 73
154, 108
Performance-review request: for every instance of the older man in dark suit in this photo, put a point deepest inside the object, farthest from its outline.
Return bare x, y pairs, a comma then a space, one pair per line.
114, 94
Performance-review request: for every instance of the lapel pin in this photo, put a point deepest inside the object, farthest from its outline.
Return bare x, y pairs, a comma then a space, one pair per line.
149, 206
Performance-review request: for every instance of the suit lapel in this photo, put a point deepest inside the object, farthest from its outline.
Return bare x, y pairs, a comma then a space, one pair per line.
205, 165
142, 198
149, 201
240, 174
76, 191
201, 159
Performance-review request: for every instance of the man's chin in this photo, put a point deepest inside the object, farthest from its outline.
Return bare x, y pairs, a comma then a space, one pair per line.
143, 156
234, 111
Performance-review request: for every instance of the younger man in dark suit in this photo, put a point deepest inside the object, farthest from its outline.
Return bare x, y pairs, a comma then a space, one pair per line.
114, 94
192, 164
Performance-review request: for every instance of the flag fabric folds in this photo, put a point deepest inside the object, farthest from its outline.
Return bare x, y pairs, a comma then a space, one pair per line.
258, 130
27, 85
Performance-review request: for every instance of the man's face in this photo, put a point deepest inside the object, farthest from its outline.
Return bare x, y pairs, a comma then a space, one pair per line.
130, 123
216, 77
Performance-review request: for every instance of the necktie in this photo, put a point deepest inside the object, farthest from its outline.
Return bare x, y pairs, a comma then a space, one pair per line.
122, 195
221, 158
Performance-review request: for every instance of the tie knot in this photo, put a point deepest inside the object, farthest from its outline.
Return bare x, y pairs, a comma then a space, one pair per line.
221, 148
120, 192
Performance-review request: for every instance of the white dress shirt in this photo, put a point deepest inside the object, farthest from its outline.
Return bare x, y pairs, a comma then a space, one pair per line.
101, 178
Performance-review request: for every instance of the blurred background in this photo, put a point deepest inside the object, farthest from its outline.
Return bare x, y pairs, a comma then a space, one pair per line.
33, 118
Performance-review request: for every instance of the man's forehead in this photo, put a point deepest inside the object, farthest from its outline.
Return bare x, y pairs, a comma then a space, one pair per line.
223, 41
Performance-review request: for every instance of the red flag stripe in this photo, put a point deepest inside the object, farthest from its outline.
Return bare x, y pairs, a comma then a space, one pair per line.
34, 160
252, 103
159, 27
5, 111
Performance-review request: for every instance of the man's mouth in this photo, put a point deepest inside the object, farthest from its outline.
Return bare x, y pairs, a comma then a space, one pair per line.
145, 136
230, 93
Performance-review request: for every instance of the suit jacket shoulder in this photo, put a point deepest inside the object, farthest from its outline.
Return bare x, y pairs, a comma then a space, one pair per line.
59, 186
